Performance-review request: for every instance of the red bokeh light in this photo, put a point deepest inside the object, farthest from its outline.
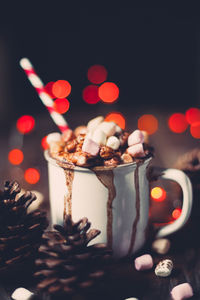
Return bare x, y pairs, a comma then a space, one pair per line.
25, 124
158, 194
61, 105
195, 130
192, 115
44, 143
97, 74
61, 89
15, 156
48, 89
116, 117
108, 92
90, 94
177, 123
32, 175
148, 123
176, 213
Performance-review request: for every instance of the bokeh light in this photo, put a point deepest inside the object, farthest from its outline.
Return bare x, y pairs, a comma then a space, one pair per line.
176, 213
195, 130
25, 124
48, 89
90, 94
177, 123
116, 117
148, 123
108, 92
97, 74
192, 115
44, 143
61, 89
15, 156
158, 194
61, 105
32, 175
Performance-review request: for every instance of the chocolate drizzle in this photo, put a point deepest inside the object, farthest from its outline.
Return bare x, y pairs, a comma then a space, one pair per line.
69, 175
137, 206
107, 179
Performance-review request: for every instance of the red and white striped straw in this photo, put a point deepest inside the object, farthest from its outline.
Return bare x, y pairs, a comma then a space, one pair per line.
44, 97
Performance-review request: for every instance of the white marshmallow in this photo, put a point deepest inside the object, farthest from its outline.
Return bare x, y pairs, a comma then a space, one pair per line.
90, 147
164, 268
113, 142
118, 129
143, 262
182, 291
99, 137
161, 246
92, 124
146, 136
53, 137
21, 294
136, 150
109, 128
136, 137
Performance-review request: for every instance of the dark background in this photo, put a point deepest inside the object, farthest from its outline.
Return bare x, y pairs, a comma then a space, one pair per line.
150, 52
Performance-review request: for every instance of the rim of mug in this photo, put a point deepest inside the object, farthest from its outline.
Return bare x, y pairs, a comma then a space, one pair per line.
58, 163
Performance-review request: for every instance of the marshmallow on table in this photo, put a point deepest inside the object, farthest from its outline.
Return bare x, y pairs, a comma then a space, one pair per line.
132, 298
182, 291
109, 128
143, 262
161, 246
22, 294
53, 137
136, 150
90, 147
98, 137
92, 124
113, 142
136, 137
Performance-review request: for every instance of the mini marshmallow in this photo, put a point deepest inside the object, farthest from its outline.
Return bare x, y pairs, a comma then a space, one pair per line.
80, 130
53, 137
118, 129
136, 150
182, 291
143, 262
109, 128
90, 147
136, 137
161, 246
99, 137
164, 268
92, 124
21, 294
113, 142
146, 136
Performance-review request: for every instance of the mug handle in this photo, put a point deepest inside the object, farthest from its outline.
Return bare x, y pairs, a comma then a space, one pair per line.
183, 180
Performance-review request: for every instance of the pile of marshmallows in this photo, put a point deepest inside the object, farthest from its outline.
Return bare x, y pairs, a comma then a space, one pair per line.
102, 133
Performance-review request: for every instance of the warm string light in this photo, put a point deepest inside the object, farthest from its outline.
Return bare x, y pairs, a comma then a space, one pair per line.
176, 213
61, 105
108, 92
97, 74
44, 143
25, 124
32, 175
158, 194
90, 94
177, 123
15, 156
116, 117
148, 123
61, 89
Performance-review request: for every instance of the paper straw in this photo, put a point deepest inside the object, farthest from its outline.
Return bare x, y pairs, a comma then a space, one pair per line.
44, 97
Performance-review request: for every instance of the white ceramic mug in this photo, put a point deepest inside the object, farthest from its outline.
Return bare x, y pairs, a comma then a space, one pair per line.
115, 201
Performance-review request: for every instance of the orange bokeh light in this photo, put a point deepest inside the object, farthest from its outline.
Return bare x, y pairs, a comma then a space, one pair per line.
61, 89
195, 130
158, 194
48, 89
176, 213
44, 143
90, 94
15, 156
32, 175
108, 92
97, 74
25, 124
116, 117
192, 115
177, 123
148, 123
61, 105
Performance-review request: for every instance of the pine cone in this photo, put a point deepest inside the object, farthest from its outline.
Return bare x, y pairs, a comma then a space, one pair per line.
67, 264
20, 233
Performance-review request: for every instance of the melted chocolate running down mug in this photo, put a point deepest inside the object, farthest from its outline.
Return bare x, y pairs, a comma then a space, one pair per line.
114, 199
